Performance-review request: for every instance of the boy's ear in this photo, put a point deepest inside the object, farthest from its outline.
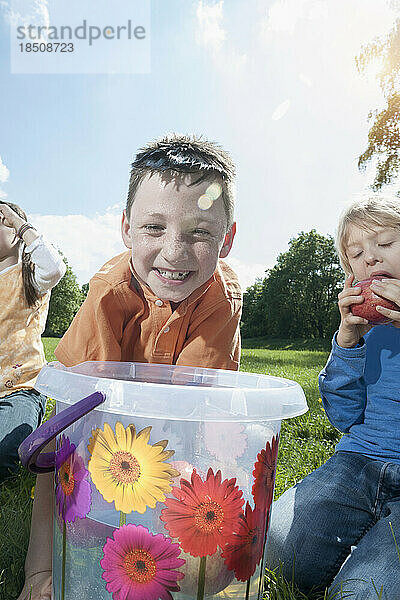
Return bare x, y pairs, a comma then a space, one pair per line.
126, 230
228, 241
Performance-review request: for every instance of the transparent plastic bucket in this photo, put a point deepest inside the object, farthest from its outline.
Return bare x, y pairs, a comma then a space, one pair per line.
164, 478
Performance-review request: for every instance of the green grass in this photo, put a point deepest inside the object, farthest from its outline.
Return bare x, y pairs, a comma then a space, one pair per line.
306, 443
283, 344
49, 345
15, 517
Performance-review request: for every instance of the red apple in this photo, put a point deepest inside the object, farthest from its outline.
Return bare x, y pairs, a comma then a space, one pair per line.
367, 308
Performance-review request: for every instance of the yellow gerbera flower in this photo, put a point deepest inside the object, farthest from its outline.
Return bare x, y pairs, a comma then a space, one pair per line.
127, 470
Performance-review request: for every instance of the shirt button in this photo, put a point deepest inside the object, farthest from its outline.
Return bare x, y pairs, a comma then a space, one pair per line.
158, 302
166, 330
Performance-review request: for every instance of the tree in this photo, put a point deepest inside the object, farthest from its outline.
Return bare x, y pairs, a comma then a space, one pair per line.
85, 290
254, 323
66, 298
298, 298
384, 134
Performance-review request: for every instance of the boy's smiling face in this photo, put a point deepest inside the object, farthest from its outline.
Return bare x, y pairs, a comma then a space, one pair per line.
175, 243
373, 252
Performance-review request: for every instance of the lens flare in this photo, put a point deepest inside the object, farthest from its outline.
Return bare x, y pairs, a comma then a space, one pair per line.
205, 202
214, 191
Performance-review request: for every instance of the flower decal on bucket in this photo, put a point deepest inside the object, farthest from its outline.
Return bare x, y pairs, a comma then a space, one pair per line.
140, 565
203, 513
73, 496
226, 443
244, 548
264, 475
127, 470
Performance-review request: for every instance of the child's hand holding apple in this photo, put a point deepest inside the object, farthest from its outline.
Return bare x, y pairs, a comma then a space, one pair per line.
370, 302
381, 300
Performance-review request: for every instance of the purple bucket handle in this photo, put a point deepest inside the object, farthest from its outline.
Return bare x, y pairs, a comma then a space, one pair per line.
29, 450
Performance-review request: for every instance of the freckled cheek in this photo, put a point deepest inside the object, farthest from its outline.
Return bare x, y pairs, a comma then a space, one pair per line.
207, 257
144, 252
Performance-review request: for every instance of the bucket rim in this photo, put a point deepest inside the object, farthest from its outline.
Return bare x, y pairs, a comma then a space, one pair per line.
214, 395
197, 388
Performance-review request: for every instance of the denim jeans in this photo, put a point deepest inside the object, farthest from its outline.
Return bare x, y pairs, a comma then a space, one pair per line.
20, 413
333, 528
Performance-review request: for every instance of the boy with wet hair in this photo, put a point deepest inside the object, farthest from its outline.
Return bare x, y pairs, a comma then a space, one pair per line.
334, 527
169, 299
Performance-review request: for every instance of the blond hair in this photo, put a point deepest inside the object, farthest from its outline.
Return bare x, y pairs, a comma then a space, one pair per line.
366, 213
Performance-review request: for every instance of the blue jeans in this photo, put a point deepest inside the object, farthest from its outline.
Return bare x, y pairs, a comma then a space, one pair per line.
20, 413
335, 526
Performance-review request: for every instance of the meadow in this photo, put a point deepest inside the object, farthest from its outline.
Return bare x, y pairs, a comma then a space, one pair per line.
306, 443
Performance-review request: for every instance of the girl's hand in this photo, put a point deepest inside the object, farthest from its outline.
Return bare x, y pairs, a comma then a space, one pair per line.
351, 328
37, 587
389, 289
9, 217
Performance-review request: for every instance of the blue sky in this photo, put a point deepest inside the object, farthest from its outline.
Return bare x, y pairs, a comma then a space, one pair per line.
273, 81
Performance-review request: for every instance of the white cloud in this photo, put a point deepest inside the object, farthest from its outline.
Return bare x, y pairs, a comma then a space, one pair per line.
4, 172
210, 33
27, 12
247, 273
283, 15
119, 206
87, 242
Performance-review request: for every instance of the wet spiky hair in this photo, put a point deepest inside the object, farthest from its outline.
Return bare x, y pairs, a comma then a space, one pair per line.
184, 154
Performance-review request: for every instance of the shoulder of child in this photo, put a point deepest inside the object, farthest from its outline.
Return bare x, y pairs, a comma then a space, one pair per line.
115, 271
227, 281
112, 285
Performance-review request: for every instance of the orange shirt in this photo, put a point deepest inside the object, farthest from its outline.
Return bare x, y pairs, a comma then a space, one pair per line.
121, 320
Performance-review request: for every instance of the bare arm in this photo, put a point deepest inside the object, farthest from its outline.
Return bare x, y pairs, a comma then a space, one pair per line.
49, 266
38, 558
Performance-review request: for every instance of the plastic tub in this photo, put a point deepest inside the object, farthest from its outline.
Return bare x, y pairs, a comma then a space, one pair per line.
164, 478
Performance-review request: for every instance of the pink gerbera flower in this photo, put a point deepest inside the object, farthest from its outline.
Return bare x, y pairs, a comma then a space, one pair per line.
138, 565
73, 495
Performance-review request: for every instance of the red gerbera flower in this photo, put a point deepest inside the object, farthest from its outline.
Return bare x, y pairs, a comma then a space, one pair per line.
204, 513
244, 547
264, 475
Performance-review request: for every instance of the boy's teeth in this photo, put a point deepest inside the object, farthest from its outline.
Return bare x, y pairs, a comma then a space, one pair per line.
174, 274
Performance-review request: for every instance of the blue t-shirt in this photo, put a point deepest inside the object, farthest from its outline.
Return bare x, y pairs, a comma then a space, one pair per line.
360, 391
